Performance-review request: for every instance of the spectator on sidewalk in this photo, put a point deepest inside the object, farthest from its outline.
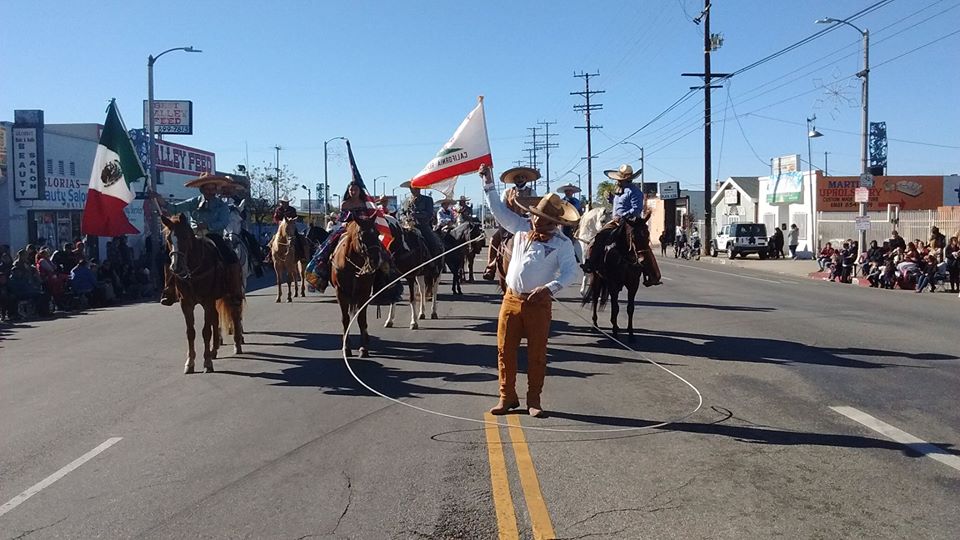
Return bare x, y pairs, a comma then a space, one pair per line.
937, 242
952, 256
897, 241
793, 240
928, 273
24, 286
777, 252
83, 282
825, 257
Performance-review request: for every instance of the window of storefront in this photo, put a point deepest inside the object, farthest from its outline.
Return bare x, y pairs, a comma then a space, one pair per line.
55, 227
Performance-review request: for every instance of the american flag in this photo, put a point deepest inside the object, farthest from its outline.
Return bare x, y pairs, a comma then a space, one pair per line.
380, 221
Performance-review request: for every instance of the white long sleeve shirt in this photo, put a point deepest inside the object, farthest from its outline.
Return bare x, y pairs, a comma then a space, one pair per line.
534, 264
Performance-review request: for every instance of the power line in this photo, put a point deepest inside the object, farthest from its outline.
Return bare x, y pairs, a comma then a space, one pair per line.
587, 109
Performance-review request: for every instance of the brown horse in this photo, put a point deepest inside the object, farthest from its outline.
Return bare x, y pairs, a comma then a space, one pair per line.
353, 266
628, 257
201, 278
288, 260
409, 250
503, 260
473, 249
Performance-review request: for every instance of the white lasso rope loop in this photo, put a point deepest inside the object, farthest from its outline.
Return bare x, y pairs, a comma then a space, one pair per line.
353, 320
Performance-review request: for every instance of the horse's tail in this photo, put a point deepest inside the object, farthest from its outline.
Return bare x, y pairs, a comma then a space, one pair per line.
597, 291
227, 309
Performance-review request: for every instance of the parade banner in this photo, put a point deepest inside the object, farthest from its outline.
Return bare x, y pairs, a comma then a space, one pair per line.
463, 153
836, 193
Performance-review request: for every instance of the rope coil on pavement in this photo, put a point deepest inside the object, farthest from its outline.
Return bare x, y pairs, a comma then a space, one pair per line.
643, 357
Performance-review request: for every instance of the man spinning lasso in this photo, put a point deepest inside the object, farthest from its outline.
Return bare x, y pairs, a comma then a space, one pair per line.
543, 263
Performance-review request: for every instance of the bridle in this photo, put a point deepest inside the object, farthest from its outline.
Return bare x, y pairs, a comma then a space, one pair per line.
189, 274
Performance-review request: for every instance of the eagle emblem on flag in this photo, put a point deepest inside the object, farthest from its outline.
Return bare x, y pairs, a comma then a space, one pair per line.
111, 173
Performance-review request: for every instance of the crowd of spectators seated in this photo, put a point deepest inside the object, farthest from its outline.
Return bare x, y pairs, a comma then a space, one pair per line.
37, 283
918, 265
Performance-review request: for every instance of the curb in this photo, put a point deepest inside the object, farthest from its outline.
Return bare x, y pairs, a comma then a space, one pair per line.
825, 276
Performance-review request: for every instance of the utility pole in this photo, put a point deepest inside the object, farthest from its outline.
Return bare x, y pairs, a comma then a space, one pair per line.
586, 109
711, 42
276, 179
546, 146
825, 168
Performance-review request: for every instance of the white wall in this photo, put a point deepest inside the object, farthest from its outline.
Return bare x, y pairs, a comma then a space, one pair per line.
773, 215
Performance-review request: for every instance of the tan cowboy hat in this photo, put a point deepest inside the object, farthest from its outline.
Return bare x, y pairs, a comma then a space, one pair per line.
624, 173
555, 209
519, 174
525, 201
406, 184
207, 178
568, 187
464, 198
446, 200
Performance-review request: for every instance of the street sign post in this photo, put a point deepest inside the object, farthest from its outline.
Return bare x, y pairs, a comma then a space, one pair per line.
863, 223
861, 195
866, 180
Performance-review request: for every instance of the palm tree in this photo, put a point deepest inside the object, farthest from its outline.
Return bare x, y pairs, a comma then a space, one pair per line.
605, 190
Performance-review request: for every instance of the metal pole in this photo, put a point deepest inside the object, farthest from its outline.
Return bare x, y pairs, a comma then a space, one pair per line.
707, 173
309, 206
326, 184
864, 151
826, 169
811, 233
276, 179
643, 172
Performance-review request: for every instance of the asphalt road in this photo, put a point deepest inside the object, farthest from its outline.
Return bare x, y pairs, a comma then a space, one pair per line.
282, 443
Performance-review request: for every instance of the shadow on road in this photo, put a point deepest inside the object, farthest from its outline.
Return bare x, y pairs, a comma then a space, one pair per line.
770, 351
758, 435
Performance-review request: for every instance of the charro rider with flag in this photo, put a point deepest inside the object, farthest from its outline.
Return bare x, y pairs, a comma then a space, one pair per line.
543, 263
209, 216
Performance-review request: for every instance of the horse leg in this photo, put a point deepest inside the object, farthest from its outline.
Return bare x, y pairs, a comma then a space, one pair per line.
209, 316
187, 309
434, 284
614, 312
389, 322
422, 283
631, 301
290, 285
345, 320
412, 283
364, 336
277, 270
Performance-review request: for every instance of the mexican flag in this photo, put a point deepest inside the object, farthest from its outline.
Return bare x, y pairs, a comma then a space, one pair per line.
115, 166
463, 153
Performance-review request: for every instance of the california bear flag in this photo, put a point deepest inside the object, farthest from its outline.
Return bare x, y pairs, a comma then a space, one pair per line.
115, 166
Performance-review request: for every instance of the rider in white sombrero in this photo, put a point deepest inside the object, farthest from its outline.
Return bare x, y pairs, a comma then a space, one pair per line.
628, 206
209, 216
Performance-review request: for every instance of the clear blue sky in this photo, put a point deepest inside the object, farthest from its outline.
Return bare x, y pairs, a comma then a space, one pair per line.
398, 77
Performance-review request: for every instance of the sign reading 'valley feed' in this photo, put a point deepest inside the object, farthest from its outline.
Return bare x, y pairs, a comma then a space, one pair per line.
173, 117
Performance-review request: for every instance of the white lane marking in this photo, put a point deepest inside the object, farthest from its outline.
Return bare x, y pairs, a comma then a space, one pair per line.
30, 492
919, 445
726, 273
667, 278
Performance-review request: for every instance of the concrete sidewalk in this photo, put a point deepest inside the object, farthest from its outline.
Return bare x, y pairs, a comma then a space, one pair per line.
786, 267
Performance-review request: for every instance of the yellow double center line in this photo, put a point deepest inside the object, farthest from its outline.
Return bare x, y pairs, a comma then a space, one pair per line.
502, 500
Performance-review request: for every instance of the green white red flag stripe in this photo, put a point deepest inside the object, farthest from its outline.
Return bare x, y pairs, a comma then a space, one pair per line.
115, 166
463, 153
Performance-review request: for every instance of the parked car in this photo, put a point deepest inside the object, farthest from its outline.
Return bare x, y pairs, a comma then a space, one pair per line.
740, 239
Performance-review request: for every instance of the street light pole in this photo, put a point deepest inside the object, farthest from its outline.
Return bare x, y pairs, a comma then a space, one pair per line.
375, 185
276, 179
326, 181
812, 239
152, 179
309, 204
642, 164
865, 113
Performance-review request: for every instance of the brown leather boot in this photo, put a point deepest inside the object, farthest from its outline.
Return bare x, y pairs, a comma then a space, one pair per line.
534, 408
504, 406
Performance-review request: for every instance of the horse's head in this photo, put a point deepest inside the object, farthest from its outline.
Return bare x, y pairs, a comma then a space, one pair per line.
179, 239
363, 239
289, 227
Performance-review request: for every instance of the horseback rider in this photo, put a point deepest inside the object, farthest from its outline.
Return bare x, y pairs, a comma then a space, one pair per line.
235, 195
518, 176
569, 191
283, 211
628, 208
419, 208
209, 216
354, 205
464, 210
445, 215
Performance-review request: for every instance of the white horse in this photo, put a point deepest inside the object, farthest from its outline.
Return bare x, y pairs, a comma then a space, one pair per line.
232, 235
590, 224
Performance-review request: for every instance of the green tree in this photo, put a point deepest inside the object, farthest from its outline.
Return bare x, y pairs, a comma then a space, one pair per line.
605, 189
263, 188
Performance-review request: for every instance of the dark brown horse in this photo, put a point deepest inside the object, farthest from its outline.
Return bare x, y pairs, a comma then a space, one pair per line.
503, 260
353, 267
628, 258
409, 251
473, 249
202, 278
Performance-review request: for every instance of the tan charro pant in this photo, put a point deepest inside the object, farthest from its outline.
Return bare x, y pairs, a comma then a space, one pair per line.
521, 318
